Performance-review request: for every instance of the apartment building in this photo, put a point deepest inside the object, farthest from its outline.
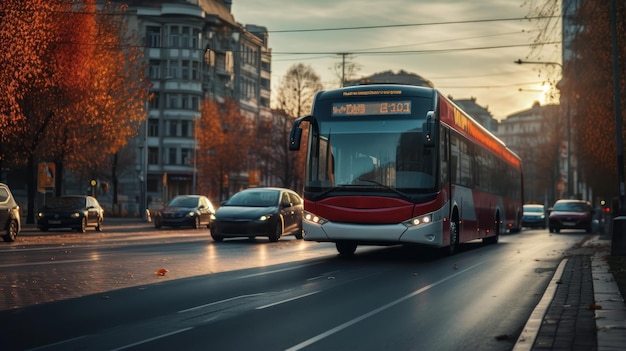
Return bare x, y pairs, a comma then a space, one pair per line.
194, 49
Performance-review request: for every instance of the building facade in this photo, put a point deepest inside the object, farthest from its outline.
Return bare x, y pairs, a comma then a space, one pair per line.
194, 49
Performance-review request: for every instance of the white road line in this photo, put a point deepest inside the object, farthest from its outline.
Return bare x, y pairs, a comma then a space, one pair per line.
45, 263
151, 339
284, 301
218, 302
376, 311
269, 272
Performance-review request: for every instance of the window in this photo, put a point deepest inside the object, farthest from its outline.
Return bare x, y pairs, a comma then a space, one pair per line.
172, 156
186, 156
153, 127
154, 102
184, 128
195, 39
195, 71
185, 38
185, 70
153, 155
173, 131
174, 37
153, 37
155, 69
172, 101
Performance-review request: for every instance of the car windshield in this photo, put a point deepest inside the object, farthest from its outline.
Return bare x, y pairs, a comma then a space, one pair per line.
571, 206
254, 199
183, 202
533, 209
66, 202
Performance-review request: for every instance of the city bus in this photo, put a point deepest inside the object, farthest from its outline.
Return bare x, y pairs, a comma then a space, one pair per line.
399, 164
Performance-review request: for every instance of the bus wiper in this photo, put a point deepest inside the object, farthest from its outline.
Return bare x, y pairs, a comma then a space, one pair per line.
386, 187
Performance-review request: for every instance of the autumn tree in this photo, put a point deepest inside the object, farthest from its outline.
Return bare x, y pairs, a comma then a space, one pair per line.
83, 100
591, 91
294, 98
223, 138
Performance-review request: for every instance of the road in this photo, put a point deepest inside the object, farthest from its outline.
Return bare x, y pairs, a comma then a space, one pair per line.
104, 294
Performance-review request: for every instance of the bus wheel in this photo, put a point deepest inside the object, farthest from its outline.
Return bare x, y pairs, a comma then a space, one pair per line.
345, 248
454, 237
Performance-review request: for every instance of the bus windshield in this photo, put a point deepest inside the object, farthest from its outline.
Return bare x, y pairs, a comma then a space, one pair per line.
388, 153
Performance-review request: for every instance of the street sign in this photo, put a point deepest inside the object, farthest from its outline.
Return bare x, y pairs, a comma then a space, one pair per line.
45, 176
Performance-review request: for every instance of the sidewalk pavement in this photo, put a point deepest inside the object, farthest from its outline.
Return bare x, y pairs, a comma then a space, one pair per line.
582, 308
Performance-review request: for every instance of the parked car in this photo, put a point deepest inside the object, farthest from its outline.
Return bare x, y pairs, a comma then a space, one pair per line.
77, 212
571, 214
10, 221
185, 211
534, 216
270, 212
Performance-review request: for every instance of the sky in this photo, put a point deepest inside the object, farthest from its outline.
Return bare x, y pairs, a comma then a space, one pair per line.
466, 48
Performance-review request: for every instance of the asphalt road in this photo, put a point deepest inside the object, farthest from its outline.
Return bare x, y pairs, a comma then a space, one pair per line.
104, 294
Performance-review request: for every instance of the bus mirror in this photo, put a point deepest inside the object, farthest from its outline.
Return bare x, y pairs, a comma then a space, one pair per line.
294, 138
296, 133
428, 130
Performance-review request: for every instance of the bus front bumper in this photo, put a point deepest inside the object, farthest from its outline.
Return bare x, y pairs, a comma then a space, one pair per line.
427, 234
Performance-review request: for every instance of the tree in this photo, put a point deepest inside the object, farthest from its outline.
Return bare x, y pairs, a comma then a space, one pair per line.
295, 98
84, 98
224, 139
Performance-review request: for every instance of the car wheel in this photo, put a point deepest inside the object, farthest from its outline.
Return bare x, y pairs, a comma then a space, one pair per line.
345, 248
216, 237
557, 230
196, 224
157, 223
83, 226
11, 232
299, 233
277, 233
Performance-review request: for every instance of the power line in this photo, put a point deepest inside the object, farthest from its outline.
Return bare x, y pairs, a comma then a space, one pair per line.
410, 24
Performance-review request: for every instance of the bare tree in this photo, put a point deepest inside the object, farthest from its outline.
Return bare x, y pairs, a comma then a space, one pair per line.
294, 99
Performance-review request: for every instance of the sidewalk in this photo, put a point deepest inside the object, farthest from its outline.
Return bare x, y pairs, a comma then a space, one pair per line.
582, 308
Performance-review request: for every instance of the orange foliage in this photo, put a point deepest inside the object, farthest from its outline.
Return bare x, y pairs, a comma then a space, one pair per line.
224, 140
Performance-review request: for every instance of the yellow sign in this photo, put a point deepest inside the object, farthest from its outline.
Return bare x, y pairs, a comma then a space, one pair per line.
254, 177
45, 175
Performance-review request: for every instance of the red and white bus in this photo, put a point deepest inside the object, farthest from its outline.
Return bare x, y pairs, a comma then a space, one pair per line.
398, 164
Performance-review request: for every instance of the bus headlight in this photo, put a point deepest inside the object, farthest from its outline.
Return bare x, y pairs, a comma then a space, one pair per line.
309, 217
414, 222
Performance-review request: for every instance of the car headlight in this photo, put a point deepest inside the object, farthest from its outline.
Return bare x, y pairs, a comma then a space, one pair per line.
416, 221
265, 217
310, 217
40, 214
191, 214
75, 215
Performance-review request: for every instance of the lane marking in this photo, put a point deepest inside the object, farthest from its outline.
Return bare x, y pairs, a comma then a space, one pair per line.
219, 302
374, 312
287, 300
272, 272
45, 263
151, 339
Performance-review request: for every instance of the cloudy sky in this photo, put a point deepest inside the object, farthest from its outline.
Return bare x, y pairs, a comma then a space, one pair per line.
466, 48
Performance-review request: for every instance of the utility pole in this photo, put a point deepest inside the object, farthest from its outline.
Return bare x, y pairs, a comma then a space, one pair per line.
343, 67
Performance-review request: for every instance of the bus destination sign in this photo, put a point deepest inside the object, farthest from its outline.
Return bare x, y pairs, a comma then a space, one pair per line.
376, 108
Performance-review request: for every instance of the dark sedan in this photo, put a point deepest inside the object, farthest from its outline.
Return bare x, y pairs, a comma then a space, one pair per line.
77, 212
571, 214
185, 211
270, 212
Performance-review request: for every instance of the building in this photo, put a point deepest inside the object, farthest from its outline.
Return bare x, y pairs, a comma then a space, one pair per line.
531, 134
194, 49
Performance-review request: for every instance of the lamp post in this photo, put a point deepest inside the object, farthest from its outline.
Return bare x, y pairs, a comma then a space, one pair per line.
570, 191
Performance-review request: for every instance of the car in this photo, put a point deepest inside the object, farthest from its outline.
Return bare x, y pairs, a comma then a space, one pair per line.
267, 211
10, 220
571, 214
77, 212
534, 216
185, 211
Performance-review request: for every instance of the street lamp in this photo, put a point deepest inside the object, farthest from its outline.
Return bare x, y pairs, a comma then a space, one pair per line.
570, 191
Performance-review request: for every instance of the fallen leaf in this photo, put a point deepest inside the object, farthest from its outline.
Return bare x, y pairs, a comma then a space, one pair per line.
161, 271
